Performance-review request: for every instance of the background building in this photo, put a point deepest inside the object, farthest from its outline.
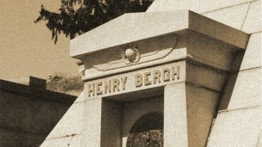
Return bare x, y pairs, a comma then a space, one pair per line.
29, 113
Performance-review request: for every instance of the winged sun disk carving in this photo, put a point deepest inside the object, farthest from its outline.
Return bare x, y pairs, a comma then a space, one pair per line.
160, 54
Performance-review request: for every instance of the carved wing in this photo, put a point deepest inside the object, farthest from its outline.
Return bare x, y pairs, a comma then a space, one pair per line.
160, 54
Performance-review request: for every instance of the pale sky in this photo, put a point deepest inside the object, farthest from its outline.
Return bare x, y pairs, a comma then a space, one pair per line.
26, 48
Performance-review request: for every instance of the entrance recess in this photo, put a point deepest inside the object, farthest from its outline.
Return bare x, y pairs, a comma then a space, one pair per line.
186, 58
147, 131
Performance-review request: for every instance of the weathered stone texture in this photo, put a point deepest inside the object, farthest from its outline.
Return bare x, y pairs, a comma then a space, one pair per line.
253, 54
175, 107
236, 128
247, 91
63, 141
92, 122
111, 123
241, 126
69, 128
199, 6
253, 20
233, 16
72, 117
201, 106
238, 124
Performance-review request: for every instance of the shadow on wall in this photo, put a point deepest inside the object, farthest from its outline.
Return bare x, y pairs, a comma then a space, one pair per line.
29, 113
231, 81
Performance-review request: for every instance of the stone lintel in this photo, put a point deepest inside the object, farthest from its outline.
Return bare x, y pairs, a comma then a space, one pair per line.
132, 27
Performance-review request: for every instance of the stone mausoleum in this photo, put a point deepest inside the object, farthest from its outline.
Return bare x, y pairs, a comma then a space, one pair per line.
183, 74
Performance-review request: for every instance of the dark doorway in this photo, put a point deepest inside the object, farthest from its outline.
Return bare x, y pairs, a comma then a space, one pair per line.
147, 131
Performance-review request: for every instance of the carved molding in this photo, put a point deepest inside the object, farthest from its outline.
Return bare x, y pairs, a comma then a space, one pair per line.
138, 59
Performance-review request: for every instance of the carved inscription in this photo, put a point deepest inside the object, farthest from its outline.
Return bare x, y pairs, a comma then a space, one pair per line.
138, 80
105, 87
157, 76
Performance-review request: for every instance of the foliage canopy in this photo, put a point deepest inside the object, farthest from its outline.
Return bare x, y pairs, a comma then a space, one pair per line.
79, 16
65, 83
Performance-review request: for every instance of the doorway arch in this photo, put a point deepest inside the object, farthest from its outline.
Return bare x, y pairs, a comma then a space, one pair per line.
147, 131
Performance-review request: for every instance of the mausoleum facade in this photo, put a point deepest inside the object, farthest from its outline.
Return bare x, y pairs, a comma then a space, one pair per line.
184, 73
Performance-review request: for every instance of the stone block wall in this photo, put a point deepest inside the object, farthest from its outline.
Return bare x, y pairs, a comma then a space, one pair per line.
68, 131
238, 122
28, 114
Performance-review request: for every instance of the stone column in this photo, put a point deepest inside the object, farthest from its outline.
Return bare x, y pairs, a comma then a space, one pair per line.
101, 123
91, 133
111, 124
175, 115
